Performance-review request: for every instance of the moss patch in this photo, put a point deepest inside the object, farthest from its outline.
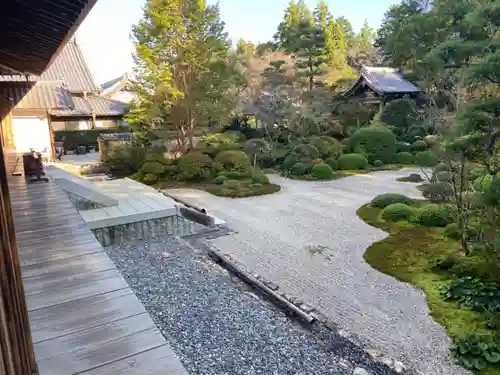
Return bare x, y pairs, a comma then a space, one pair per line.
221, 191
414, 254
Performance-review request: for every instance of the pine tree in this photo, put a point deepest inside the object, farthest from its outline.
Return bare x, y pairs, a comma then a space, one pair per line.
296, 13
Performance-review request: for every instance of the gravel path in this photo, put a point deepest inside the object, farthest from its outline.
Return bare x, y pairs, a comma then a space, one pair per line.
217, 326
274, 234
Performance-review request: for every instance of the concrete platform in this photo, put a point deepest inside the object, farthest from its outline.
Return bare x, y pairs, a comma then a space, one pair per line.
136, 202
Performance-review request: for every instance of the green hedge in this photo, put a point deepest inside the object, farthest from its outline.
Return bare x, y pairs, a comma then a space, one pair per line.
376, 142
404, 158
322, 172
88, 138
352, 162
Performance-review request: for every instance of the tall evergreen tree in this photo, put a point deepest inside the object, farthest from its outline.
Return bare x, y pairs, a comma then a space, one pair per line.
296, 13
183, 67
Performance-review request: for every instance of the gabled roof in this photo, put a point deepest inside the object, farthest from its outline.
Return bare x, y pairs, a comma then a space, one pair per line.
69, 67
36, 95
117, 84
383, 80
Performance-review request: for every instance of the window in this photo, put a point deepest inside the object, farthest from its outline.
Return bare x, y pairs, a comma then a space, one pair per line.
71, 125
105, 124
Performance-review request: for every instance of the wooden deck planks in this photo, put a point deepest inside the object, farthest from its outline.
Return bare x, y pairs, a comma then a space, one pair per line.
84, 317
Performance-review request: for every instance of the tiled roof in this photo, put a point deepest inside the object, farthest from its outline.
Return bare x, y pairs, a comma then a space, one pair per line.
383, 80
109, 84
40, 95
387, 80
106, 107
69, 67
92, 104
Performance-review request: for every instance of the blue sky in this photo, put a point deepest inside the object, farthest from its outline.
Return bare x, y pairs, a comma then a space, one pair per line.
104, 36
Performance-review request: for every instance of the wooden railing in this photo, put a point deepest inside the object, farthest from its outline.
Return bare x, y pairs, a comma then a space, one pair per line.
16, 348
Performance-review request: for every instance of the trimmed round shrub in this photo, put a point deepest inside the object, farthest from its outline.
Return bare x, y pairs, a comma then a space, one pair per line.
376, 142
266, 161
157, 157
150, 178
431, 140
327, 146
398, 212
443, 176
426, 159
260, 178
419, 146
441, 167
384, 200
306, 150
233, 159
299, 169
290, 161
403, 147
322, 171
437, 192
333, 163
194, 165
352, 162
153, 167
435, 215
412, 177
317, 161
220, 179
452, 231
404, 158
482, 183
279, 155
378, 163
256, 146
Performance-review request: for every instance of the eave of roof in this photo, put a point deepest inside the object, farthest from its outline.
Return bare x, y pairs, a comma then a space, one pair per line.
34, 32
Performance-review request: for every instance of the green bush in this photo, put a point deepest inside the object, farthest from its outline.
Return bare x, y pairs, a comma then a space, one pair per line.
125, 160
299, 169
158, 157
214, 143
452, 231
404, 158
376, 142
153, 167
150, 179
327, 146
403, 147
476, 172
435, 215
233, 159
266, 161
322, 172
412, 177
441, 167
384, 200
260, 178
443, 176
306, 150
437, 192
220, 179
231, 184
398, 212
333, 163
482, 183
279, 155
419, 146
194, 166
290, 161
426, 159
378, 163
352, 162
88, 138
256, 146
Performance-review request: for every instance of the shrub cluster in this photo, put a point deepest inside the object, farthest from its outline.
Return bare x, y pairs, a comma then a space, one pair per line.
376, 142
426, 159
384, 200
398, 212
435, 215
352, 162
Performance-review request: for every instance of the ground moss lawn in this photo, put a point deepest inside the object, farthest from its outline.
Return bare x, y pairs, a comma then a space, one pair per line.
219, 190
411, 254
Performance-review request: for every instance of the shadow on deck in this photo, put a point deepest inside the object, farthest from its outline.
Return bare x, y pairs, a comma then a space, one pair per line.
84, 317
